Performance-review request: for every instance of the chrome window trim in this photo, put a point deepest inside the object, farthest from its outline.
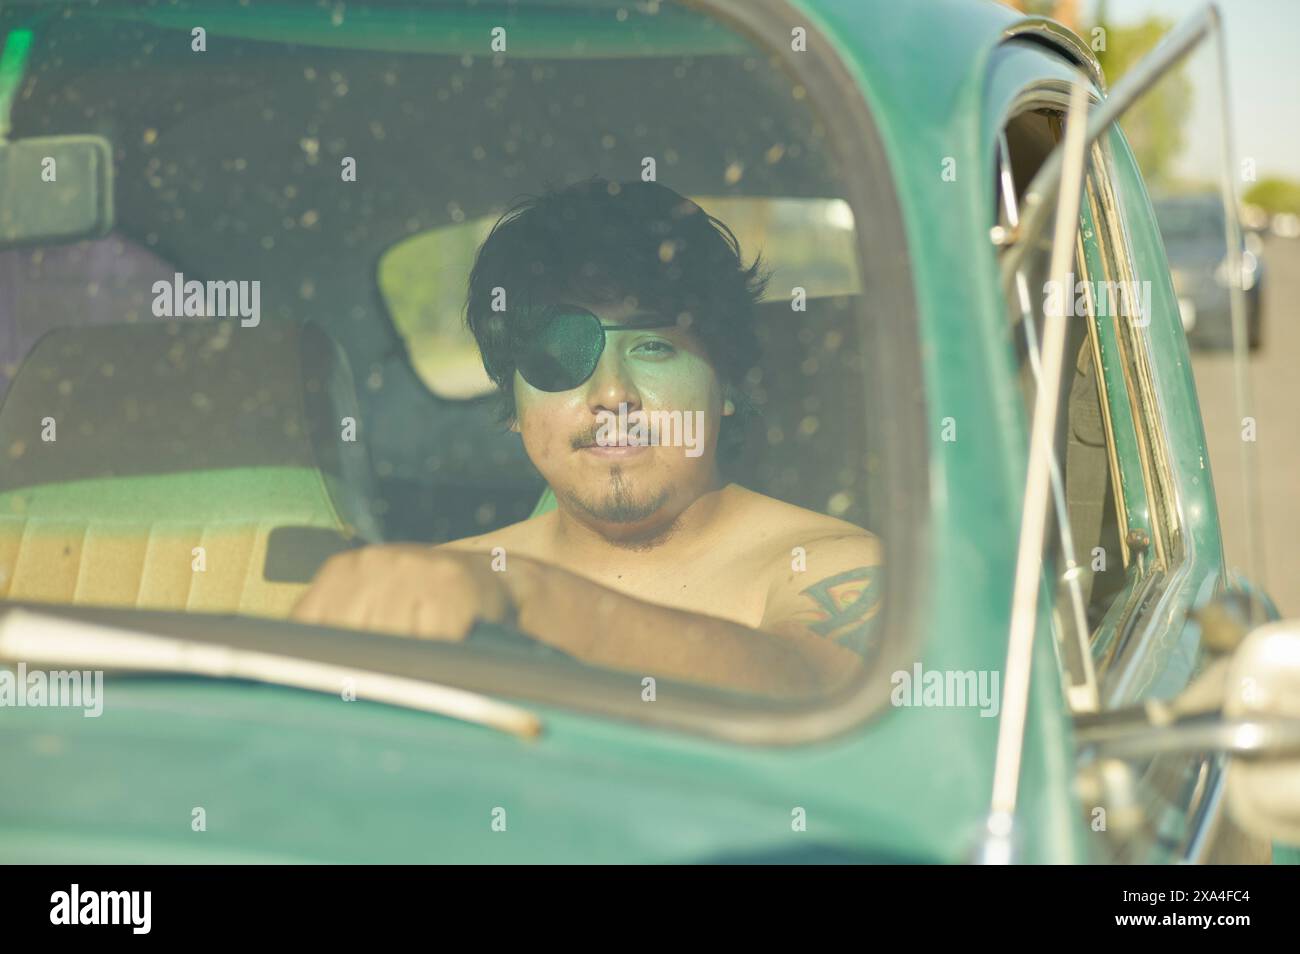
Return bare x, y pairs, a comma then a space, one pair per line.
1123, 678
1059, 39
1123, 524
1119, 664
1053, 94
1148, 410
1205, 810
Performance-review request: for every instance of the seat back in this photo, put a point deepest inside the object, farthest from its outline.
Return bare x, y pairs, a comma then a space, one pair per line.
809, 443
151, 466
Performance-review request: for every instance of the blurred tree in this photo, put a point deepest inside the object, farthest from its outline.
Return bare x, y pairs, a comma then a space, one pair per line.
1154, 126
1275, 195
1062, 11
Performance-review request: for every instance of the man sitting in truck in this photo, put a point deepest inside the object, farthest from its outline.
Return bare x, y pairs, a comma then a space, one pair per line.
606, 313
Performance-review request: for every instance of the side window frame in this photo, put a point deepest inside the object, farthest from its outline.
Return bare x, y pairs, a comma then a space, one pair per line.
1145, 498
1148, 652
1155, 534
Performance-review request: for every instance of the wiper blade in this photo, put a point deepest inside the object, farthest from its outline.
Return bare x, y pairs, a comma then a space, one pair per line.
44, 639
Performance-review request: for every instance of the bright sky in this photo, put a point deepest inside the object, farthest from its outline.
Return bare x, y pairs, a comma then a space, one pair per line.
1263, 42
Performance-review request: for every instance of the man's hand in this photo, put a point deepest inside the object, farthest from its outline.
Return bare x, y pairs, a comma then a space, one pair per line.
406, 590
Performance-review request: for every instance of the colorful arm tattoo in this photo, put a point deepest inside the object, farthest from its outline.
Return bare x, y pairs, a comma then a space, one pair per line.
844, 608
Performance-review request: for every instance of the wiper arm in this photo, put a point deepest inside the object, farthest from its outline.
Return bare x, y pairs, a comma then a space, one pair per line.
998, 844
44, 639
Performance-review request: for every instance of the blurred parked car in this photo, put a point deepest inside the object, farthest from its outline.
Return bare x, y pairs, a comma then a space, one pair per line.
1193, 229
1286, 225
1254, 218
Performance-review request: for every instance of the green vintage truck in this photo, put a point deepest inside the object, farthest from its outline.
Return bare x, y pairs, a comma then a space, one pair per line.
236, 240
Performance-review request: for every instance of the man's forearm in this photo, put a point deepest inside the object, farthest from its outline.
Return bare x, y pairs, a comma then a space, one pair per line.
607, 628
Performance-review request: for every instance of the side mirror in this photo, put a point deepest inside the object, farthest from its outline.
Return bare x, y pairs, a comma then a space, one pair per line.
55, 189
1263, 688
1245, 706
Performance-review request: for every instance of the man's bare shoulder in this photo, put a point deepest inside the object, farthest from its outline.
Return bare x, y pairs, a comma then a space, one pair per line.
820, 572
785, 525
524, 537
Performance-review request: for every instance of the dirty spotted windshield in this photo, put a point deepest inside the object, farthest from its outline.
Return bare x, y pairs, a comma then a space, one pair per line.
531, 345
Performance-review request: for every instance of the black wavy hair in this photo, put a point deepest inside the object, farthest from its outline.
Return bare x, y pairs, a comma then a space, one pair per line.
604, 242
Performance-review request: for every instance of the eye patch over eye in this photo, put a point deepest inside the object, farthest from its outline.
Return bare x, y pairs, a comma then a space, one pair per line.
562, 346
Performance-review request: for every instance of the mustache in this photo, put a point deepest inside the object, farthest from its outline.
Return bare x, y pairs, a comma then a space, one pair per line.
587, 439
637, 420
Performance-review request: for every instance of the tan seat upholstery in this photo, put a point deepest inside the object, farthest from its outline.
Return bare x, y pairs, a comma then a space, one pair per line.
179, 449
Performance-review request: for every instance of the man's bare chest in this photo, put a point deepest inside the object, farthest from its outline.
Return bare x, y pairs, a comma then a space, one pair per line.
734, 589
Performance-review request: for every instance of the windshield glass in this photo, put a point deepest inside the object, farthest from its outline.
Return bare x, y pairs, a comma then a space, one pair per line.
557, 343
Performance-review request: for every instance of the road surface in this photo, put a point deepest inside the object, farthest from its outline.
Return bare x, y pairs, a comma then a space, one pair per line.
1275, 383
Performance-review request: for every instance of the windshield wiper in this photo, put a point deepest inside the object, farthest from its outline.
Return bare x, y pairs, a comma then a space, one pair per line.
41, 639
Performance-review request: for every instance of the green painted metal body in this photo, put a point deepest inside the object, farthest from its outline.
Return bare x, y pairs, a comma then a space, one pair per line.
288, 775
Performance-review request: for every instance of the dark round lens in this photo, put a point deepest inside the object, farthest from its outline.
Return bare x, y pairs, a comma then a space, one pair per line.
563, 351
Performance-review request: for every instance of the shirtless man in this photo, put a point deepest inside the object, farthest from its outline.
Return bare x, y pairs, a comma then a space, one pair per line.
590, 301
